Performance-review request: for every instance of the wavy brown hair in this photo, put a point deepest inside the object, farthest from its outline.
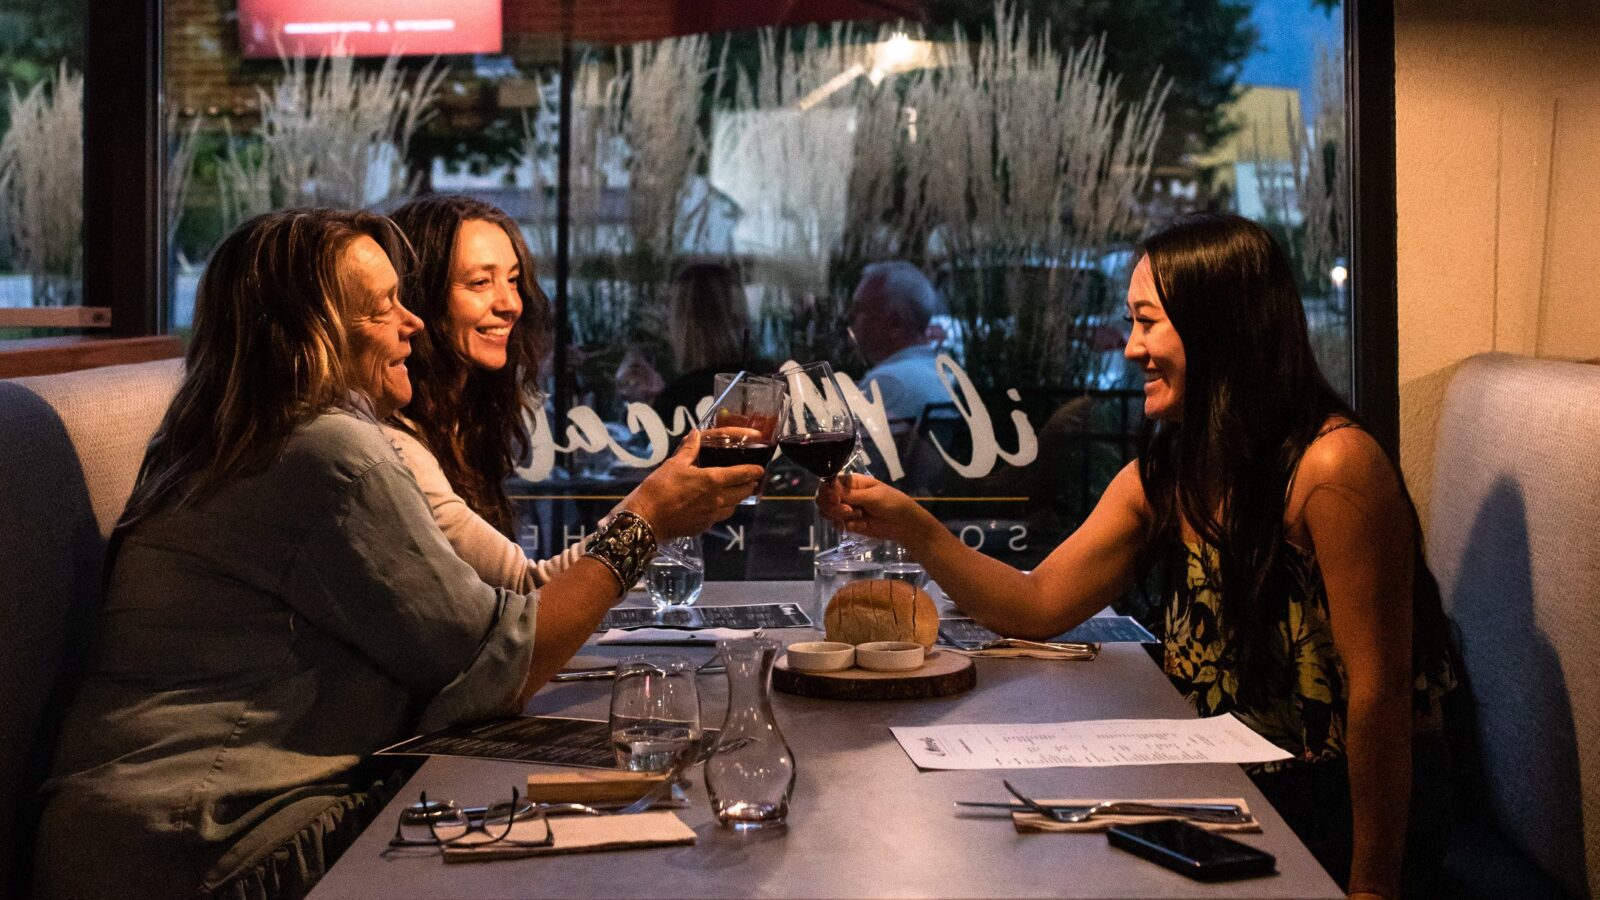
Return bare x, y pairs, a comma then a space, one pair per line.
1254, 399
270, 351
471, 419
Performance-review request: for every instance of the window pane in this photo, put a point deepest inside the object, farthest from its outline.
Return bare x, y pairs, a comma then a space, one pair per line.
41, 168
729, 191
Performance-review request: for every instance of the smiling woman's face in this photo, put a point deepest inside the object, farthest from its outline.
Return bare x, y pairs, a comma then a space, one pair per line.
381, 328
485, 297
1154, 345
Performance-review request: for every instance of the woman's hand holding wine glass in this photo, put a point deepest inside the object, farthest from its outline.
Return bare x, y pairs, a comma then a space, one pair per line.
819, 433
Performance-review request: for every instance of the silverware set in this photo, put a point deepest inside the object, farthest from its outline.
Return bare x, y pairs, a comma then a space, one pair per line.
1218, 813
1066, 648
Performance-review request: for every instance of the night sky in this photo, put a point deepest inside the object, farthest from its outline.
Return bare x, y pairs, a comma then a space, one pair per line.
1291, 31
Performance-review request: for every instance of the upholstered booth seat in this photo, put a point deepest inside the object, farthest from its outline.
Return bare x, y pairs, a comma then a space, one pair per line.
70, 447
1514, 538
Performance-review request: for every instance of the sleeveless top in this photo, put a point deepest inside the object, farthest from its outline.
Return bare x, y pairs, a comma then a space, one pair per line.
1307, 719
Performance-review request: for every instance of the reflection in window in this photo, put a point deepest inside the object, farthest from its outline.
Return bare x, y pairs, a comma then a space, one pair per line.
1013, 161
41, 161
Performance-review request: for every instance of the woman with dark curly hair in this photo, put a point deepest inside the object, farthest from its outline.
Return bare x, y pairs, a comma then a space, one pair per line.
474, 373
1299, 599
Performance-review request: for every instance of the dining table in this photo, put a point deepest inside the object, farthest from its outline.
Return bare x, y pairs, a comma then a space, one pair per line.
864, 821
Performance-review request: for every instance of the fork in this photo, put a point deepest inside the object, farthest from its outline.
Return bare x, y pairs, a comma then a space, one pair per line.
1122, 807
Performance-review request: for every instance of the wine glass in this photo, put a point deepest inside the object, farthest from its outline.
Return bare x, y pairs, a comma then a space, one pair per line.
820, 435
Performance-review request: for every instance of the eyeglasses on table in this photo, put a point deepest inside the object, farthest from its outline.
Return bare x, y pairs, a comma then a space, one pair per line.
445, 824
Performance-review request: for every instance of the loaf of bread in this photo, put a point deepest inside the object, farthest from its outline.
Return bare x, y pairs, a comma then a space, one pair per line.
882, 610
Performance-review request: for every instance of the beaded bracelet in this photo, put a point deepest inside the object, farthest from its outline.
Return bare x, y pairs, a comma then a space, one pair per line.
624, 545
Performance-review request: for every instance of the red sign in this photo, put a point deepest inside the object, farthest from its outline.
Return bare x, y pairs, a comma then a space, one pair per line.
272, 28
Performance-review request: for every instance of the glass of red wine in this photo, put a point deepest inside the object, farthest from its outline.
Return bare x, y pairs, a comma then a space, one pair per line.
740, 428
819, 433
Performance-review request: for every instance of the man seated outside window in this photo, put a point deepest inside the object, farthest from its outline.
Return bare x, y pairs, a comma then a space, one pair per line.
889, 316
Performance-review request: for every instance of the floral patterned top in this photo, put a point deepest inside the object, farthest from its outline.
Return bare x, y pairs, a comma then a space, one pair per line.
1309, 721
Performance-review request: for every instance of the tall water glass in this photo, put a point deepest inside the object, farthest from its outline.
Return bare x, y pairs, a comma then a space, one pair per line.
655, 712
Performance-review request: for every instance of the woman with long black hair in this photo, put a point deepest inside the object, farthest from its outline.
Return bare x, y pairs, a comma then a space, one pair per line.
1298, 598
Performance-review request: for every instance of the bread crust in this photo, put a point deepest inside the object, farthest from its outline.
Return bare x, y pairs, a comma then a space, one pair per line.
882, 609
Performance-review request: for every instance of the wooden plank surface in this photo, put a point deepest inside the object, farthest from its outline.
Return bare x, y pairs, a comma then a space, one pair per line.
56, 317
47, 356
943, 674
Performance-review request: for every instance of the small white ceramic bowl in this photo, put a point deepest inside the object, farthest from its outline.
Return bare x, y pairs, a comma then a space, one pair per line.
889, 656
821, 656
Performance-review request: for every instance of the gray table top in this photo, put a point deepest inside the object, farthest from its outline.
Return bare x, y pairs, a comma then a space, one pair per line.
863, 821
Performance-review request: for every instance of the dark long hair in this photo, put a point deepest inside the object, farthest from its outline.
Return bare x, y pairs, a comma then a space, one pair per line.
1254, 399
270, 350
709, 322
471, 419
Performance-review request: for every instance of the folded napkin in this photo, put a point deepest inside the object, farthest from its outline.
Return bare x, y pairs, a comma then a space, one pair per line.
581, 834
1026, 822
671, 635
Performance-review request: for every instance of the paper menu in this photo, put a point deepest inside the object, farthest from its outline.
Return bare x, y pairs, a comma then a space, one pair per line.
1101, 742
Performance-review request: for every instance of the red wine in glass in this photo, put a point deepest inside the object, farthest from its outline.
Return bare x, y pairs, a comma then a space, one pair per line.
822, 453
716, 453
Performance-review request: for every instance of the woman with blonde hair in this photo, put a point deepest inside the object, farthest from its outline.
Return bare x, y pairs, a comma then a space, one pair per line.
279, 602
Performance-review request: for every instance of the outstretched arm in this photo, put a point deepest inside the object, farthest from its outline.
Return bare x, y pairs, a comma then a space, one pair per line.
1092, 567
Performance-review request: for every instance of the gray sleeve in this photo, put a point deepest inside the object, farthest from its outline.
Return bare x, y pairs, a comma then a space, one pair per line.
380, 576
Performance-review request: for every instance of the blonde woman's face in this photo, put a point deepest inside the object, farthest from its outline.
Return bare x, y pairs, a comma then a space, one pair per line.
485, 297
381, 329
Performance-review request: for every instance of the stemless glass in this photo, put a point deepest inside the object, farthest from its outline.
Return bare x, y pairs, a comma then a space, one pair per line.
741, 426
819, 433
674, 581
738, 429
655, 712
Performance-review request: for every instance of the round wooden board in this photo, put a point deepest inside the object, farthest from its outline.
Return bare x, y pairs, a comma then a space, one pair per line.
941, 675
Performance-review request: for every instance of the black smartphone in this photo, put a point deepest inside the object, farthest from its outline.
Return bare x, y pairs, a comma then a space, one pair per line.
1191, 851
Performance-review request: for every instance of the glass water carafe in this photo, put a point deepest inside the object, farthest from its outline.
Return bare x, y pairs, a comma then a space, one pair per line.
750, 774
